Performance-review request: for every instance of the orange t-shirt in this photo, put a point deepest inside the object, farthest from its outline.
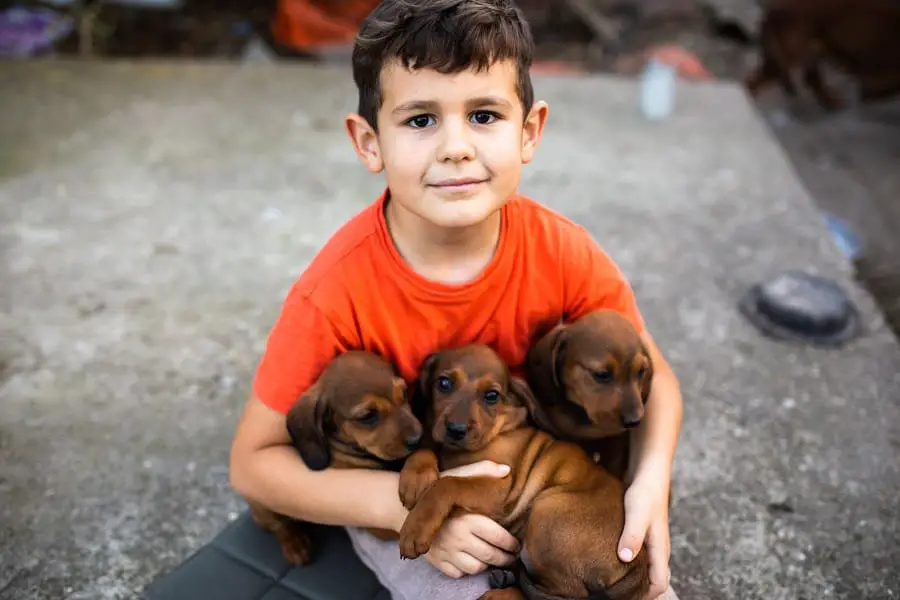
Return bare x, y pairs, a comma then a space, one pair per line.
358, 293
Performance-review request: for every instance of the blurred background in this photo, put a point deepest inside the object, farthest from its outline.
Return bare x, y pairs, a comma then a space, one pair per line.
846, 160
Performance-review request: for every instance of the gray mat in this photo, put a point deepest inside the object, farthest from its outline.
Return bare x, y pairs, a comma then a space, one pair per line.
243, 562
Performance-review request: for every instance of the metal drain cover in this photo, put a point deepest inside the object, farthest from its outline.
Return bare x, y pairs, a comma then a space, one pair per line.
801, 307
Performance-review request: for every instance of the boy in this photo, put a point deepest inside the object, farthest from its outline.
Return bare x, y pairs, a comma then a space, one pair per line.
449, 254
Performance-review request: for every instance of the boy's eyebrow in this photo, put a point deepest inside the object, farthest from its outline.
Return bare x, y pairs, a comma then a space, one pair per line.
415, 105
490, 101
431, 105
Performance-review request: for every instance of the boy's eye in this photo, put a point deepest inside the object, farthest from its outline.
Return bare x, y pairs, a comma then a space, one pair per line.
483, 117
491, 397
420, 121
444, 384
370, 417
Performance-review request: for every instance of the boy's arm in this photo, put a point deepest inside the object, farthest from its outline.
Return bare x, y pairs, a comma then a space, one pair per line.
592, 281
647, 499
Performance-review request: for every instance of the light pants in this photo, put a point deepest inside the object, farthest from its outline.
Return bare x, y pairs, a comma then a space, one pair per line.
417, 579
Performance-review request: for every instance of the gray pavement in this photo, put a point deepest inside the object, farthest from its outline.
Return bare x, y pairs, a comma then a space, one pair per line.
152, 217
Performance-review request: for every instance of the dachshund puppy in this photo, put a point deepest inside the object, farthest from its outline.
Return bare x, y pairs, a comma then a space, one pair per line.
356, 415
856, 36
591, 379
567, 511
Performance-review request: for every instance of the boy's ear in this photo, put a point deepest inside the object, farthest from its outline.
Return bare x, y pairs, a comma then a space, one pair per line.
533, 129
365, 142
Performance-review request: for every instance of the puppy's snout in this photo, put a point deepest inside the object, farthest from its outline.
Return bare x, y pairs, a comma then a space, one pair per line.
456, 431
413, 439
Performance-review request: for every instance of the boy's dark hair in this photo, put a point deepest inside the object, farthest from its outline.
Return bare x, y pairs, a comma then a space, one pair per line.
448, 36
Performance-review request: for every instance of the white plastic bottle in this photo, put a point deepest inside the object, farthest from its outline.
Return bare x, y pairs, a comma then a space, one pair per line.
657, 90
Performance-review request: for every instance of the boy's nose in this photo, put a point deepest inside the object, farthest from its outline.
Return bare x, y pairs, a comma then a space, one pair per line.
456, 144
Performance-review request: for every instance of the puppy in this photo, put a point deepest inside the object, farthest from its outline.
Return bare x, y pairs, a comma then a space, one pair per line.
356, 415
567, 511
591, 379
856, 36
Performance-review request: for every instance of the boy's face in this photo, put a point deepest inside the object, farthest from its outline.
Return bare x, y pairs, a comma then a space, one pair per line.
451, 145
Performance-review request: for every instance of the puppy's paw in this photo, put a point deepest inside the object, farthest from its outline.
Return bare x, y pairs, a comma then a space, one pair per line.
418, 532
414, 484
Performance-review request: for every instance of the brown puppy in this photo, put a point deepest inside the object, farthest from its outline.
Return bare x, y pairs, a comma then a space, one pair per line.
356, 415
567, 511
591, 380
859, 37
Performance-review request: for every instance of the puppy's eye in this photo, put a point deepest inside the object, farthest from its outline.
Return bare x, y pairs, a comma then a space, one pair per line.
491, 397
641, 372
368, 418
604, 376
444, 384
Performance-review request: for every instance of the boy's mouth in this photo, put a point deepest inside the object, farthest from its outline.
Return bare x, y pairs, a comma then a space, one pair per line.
457, 183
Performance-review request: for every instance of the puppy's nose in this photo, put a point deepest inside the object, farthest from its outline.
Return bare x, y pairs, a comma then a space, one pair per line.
457, 431
413, 439
630, 422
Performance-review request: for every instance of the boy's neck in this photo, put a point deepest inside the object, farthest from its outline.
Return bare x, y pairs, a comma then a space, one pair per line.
450, 256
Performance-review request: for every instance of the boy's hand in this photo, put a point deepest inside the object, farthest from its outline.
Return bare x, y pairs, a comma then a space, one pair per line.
469, 543
647, 520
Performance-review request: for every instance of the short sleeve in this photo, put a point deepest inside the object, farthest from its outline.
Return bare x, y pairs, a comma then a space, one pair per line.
592, 281
301, 343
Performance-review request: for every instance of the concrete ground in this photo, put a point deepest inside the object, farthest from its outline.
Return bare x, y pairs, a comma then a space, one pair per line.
153, 216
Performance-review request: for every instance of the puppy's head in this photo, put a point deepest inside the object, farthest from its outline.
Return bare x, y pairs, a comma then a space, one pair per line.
359, 406
592, 376
471, 397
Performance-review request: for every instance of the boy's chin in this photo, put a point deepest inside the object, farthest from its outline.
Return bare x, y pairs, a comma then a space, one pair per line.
451, 213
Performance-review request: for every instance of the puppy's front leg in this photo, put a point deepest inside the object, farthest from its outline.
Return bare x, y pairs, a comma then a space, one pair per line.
418, 474
481, 495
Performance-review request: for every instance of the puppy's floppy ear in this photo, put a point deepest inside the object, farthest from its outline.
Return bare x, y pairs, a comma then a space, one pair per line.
426, 375
647, 379
545, 360
421, 396
306, 422
521, 390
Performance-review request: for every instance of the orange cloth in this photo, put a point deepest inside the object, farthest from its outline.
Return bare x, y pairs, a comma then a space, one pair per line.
358, 293
310, 25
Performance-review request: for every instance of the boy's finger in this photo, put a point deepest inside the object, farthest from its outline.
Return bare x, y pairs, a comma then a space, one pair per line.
483, 468
449, 570
636, 523
468, 564
492, 533
488, 553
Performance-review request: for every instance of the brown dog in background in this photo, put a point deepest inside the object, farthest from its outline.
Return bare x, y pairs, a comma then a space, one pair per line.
591, 379
859, 37
567, 511
356, 415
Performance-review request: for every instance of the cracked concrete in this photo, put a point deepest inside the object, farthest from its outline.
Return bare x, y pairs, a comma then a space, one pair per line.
153, 215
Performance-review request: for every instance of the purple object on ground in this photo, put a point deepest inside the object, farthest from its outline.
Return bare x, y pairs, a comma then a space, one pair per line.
24, 31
